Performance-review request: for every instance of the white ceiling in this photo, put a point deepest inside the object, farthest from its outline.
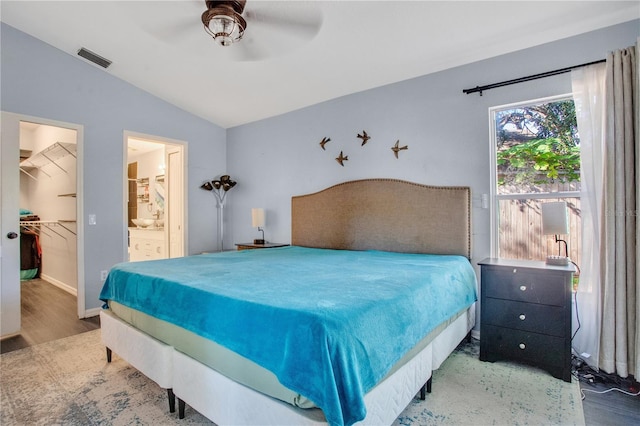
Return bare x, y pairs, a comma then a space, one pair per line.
161, 47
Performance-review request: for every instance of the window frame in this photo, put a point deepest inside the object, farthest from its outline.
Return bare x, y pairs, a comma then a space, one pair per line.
493, 193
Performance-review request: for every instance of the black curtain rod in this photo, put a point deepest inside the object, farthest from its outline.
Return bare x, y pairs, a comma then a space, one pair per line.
528, 78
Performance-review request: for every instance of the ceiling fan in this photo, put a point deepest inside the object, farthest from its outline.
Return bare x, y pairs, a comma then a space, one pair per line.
273, 26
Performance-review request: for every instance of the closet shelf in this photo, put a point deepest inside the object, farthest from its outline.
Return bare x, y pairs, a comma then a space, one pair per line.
50, 155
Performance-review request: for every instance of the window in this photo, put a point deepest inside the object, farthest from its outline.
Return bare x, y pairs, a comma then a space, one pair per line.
535, 159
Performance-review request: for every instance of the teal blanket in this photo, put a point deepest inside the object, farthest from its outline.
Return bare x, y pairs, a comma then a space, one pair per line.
328, 323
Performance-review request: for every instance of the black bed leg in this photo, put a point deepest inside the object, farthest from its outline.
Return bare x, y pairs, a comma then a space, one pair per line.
426, 388
180, 409
469, 337
172, 400
108, 355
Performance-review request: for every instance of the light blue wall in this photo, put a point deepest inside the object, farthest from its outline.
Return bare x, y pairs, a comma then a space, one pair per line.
447, 133
41, 81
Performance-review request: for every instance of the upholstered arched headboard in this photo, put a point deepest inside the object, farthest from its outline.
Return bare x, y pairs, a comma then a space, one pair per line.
384, 214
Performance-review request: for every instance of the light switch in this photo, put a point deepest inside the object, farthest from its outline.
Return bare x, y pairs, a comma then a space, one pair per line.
485, 201
92, 219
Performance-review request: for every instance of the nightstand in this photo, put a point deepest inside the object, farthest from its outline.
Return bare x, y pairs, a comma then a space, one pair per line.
526, 314
249, 246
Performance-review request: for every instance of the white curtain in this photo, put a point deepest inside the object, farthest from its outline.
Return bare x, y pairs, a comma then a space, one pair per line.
608, 305
588, 86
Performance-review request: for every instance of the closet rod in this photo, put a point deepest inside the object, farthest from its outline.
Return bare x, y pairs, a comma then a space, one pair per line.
528, 78
37, 230
34, 225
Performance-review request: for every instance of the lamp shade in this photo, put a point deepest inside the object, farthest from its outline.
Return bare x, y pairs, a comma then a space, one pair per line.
257, 217
555, 220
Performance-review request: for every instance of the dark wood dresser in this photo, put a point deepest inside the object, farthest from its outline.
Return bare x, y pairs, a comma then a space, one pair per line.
526, 314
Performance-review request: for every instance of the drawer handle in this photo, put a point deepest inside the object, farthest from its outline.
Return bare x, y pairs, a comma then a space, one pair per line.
522, 317
523, 288
515, 270
522, 346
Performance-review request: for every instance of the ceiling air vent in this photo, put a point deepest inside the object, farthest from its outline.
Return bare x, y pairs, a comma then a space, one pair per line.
96, 59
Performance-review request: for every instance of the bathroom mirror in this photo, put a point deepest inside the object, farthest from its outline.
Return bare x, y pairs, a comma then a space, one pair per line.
159, 192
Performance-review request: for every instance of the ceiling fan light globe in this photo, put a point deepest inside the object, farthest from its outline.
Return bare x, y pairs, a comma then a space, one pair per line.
224, 25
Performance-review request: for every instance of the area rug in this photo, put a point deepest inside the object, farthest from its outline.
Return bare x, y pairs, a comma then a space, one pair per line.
69, 382
467, 391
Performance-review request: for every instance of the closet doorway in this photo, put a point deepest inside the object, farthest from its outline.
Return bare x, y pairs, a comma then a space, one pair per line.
42, 248
48, 205
154, 197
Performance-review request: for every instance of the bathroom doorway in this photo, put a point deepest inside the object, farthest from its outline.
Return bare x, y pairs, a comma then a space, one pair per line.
155, 197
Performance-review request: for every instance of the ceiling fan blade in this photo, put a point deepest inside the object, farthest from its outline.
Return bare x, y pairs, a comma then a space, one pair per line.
174, 31
171, 21
300, 19
246, 50
274, 28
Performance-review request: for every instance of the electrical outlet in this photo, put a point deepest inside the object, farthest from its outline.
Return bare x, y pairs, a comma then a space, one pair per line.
103, 275
92, 219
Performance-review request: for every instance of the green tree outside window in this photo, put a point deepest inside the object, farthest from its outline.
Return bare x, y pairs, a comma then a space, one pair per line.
538, 145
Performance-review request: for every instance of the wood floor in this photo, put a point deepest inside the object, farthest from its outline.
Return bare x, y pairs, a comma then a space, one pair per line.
49, 313
603, 404
610, 408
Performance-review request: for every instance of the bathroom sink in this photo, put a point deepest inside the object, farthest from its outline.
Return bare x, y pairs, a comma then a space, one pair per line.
143, 223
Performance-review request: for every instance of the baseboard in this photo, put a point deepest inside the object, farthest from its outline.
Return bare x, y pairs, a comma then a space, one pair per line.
93, 312
9, 336
60, 284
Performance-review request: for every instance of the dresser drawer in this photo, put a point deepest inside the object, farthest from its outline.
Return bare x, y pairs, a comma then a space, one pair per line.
536, 348
525, 285
542, 319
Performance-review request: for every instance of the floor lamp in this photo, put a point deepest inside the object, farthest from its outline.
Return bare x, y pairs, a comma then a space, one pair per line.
219, 188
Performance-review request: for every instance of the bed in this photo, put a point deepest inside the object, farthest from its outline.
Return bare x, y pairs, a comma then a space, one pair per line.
344, 326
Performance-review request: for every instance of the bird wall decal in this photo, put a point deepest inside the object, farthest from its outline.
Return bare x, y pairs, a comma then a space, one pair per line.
396, 148
365, 138
342, 158
324, 141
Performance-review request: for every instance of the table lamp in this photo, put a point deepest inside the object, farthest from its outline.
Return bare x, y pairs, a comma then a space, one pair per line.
257, 221
555, 221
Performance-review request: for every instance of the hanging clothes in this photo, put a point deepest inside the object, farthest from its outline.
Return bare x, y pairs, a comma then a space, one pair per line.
30, 251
